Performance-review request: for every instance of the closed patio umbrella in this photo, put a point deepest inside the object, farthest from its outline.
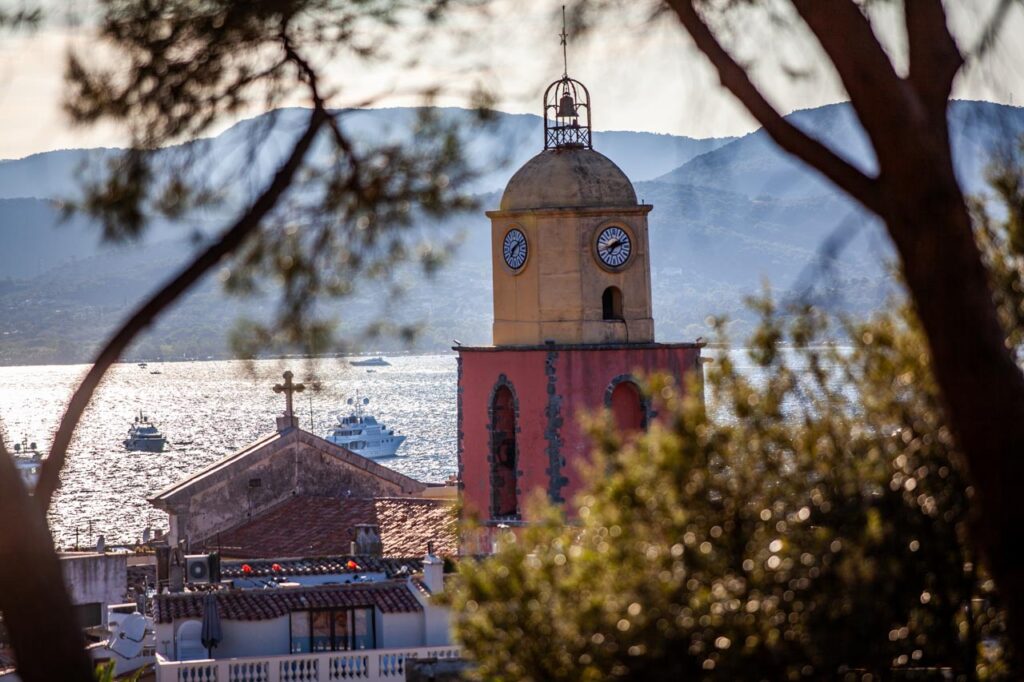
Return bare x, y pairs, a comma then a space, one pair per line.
211, 624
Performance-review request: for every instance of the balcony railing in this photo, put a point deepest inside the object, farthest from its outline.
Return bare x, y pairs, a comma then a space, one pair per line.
369, 665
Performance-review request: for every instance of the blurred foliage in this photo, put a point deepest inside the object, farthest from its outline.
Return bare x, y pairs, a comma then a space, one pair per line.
811, 521
1001, 239
24, 17
179, 68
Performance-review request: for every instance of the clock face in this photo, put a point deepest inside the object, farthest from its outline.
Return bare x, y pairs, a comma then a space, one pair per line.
614, 246
514, 249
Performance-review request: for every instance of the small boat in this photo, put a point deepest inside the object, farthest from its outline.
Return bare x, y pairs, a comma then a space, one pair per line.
363, 434
142, 365
155, 371
370, 362
143, 436
29, 462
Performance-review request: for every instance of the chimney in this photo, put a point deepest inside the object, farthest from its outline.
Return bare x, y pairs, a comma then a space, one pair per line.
433, 571
368, 540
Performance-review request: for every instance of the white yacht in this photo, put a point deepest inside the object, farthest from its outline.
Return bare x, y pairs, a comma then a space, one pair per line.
370, 362
363, 434
144, 436
29, 461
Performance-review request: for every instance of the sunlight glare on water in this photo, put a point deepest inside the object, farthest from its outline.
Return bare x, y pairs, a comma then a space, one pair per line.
217, 407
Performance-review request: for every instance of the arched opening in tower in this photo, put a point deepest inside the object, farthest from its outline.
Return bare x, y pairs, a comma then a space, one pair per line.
611, 303
504, 500
628, 407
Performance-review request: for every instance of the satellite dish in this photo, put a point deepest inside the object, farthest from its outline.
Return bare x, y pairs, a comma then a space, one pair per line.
126, 641
366, 401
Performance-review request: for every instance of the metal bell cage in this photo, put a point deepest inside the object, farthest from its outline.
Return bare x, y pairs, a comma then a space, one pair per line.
562, 105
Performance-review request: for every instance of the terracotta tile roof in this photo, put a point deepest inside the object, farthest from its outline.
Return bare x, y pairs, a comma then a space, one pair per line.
336, 565
389, 597
407, 524
325, 526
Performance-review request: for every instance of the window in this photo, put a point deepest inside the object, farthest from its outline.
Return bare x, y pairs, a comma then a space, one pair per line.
504, 499
628, 407
611, 303
332, 630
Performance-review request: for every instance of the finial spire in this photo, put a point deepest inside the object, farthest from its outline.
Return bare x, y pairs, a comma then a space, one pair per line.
566, 102
565, 41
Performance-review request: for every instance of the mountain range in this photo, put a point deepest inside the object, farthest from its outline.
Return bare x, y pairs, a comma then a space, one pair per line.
730, 215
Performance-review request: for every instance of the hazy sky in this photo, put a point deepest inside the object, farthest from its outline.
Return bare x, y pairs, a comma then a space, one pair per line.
641, 76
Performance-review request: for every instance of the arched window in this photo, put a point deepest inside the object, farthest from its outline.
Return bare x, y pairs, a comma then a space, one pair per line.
504, 500
628, 407
611, 303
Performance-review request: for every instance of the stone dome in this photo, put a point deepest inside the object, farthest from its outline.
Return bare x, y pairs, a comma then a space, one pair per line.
568, 178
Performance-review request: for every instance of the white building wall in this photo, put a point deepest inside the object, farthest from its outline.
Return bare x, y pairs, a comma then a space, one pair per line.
164, 633
241, 638
400, 630
253, 638
95, 578
437, 625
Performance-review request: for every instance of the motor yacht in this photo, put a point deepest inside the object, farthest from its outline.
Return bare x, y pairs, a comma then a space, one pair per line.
363, 434
29, 462
370, 362
143, 436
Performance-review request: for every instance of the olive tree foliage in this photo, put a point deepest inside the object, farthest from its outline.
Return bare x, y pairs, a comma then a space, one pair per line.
306, 208
812, 520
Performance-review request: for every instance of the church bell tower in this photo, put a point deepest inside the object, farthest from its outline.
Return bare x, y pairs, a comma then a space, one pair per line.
570, 249
573, 326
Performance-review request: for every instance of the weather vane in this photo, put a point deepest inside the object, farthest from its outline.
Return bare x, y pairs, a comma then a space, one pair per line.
565, 40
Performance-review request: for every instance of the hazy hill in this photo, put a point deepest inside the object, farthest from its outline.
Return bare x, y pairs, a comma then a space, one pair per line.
729, 215
753, 165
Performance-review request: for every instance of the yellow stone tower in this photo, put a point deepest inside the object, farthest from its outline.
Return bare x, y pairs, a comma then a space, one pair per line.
569, 241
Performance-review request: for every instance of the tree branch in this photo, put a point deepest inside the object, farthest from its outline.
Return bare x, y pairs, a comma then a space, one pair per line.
864, 68
36, 608
934, 55
790, 138
148, 312
988, 35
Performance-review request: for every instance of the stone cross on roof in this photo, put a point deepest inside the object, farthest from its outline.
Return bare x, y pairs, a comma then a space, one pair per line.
288, 388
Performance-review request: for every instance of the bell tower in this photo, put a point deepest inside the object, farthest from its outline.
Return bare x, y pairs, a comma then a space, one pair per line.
570, 251
573, 327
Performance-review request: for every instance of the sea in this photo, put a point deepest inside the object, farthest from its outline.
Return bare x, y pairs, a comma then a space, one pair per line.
208, 410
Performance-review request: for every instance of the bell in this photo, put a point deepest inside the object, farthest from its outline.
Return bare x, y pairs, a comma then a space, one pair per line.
566, 107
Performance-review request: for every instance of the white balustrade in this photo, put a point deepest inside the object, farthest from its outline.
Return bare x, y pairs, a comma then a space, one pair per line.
369, 665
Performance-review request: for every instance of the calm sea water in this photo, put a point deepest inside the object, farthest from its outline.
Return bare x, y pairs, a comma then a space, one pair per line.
218, 407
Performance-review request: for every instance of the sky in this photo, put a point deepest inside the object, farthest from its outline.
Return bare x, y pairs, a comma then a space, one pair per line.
642, 75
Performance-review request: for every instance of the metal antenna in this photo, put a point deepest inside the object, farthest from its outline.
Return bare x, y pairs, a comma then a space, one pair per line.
564, 36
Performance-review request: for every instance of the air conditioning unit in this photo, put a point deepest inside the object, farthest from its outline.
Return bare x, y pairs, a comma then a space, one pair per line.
202, 568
